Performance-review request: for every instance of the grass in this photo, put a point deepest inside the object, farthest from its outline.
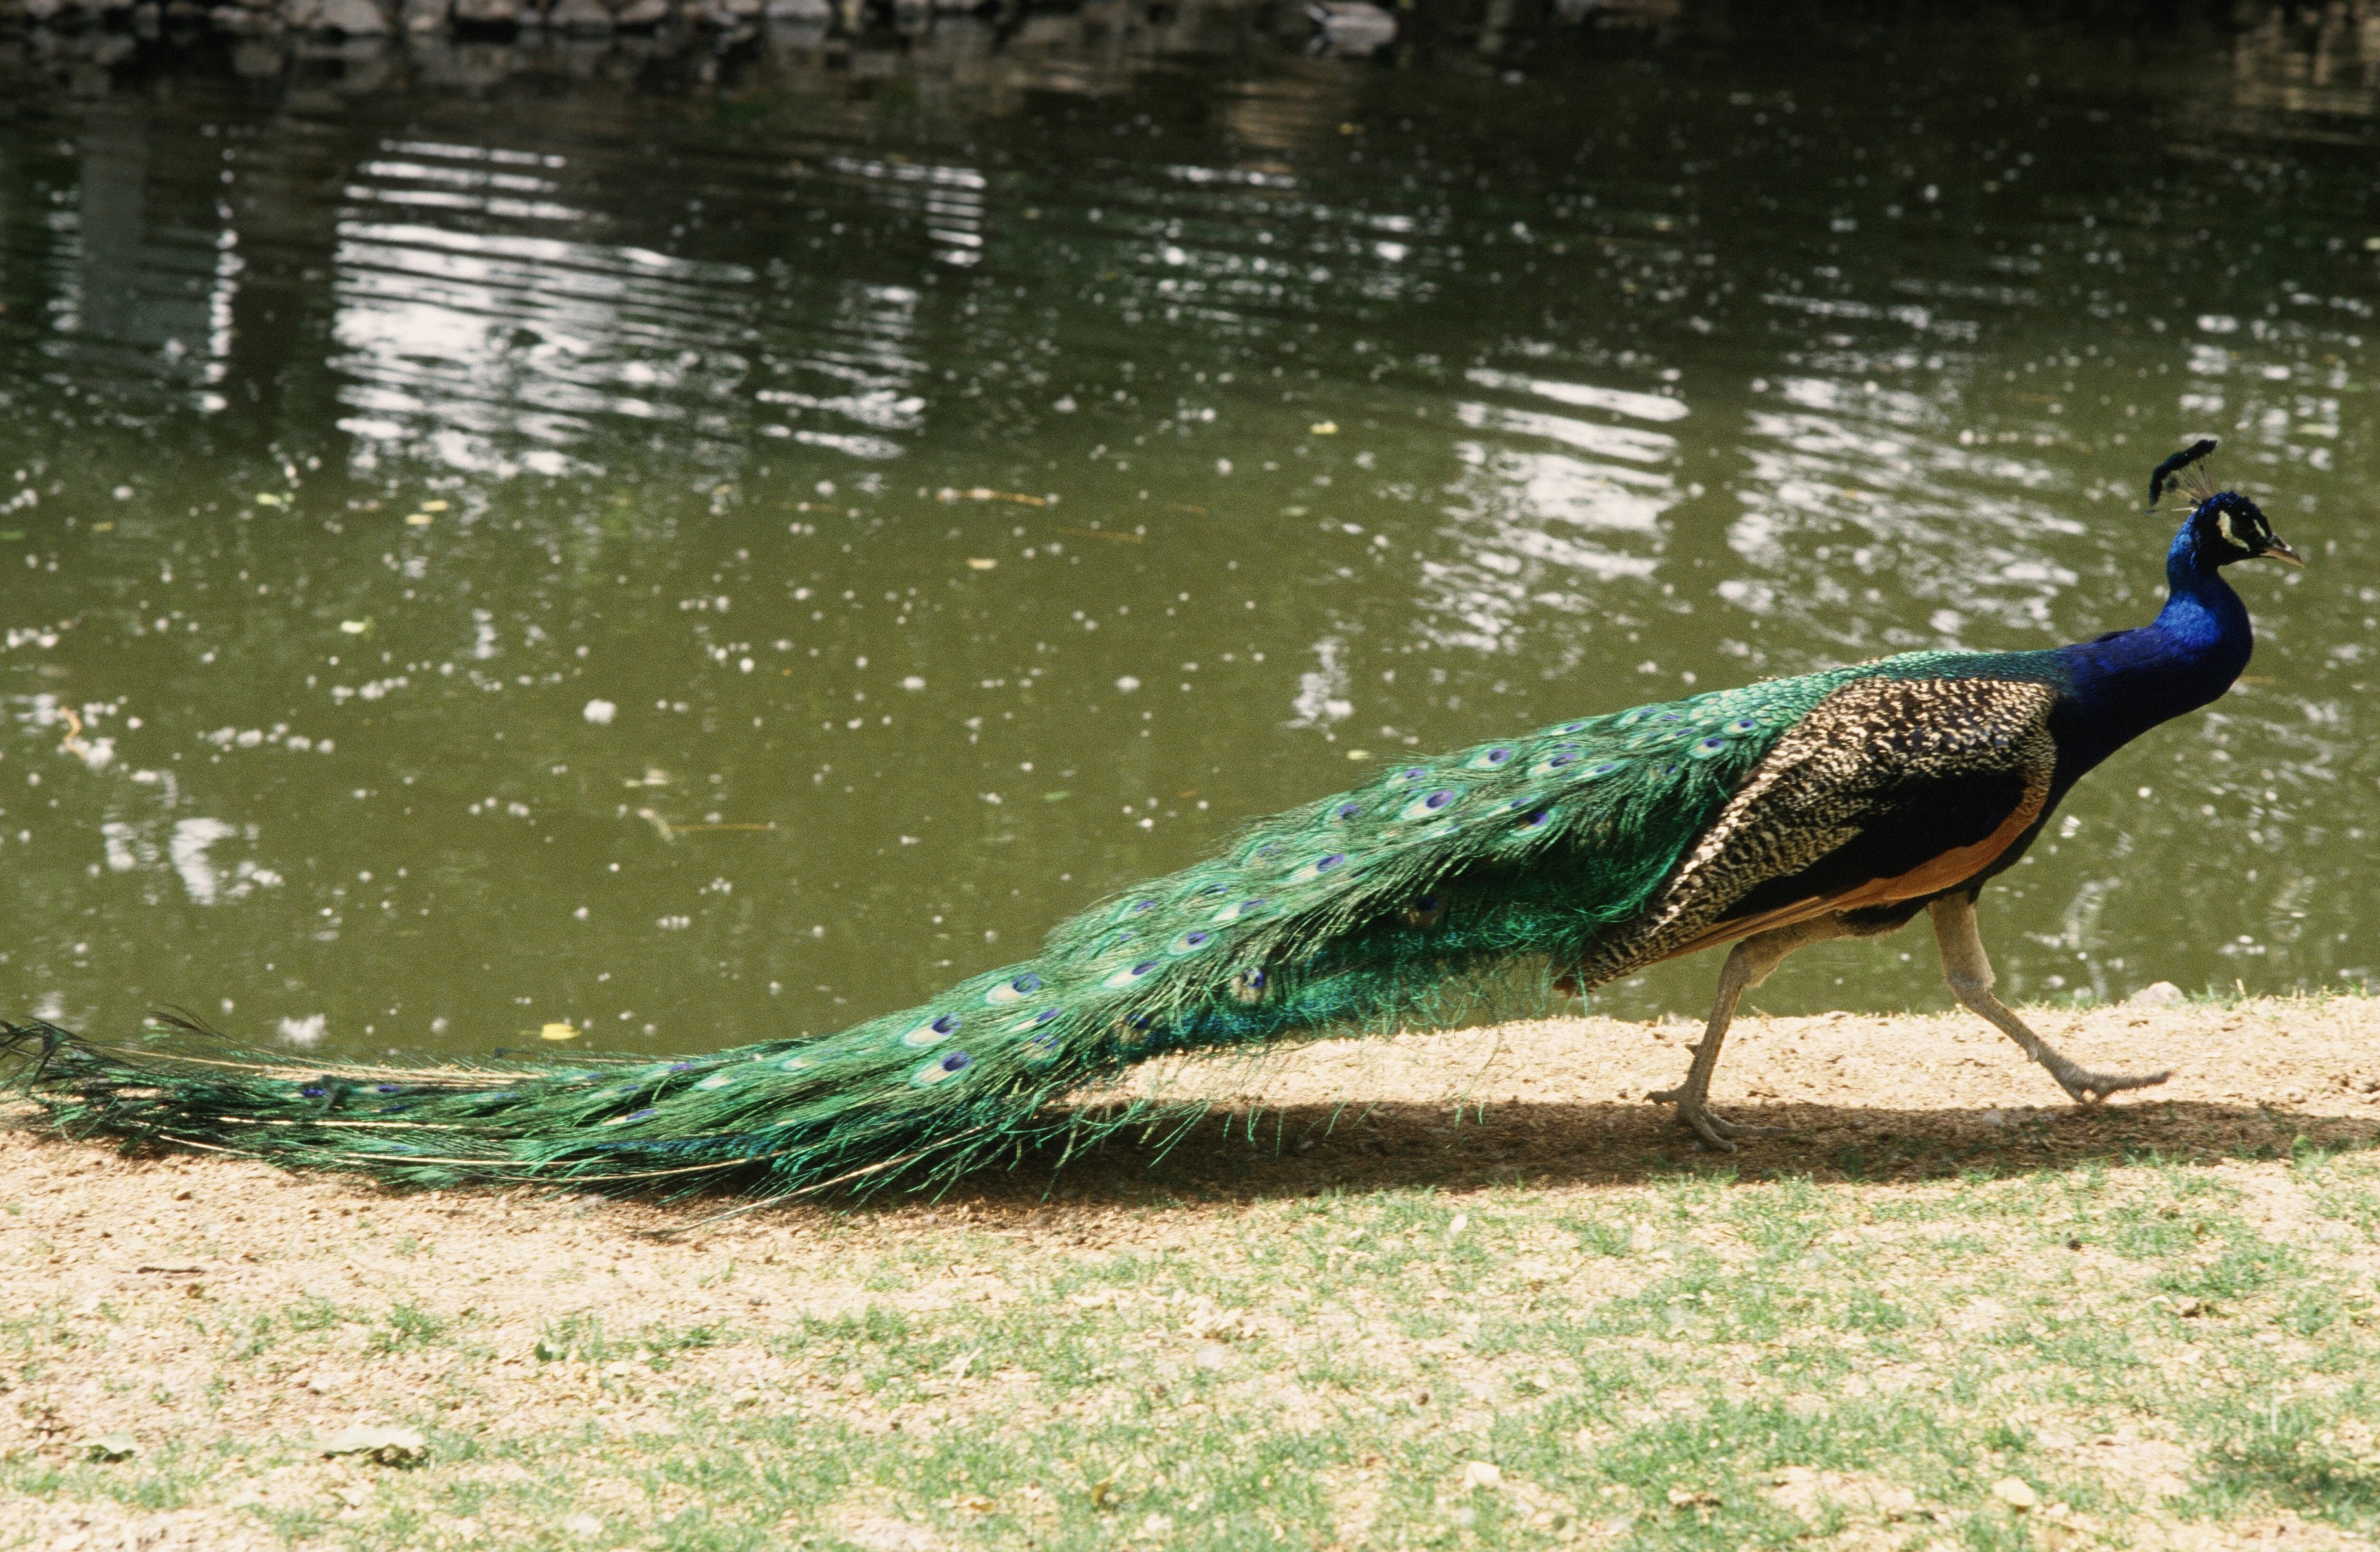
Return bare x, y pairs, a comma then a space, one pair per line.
1353, 1347
1698, 1362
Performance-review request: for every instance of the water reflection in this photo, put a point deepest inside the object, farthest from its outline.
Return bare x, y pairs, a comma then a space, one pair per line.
977, 464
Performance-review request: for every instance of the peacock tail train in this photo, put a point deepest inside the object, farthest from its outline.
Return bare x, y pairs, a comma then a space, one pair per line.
1381, 907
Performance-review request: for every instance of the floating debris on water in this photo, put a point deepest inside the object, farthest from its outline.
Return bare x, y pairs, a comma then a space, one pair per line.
982, 493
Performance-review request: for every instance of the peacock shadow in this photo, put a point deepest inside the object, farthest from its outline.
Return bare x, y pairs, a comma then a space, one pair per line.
1307, 1150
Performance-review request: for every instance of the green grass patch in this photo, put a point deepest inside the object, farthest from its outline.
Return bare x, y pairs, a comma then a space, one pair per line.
1701, 1360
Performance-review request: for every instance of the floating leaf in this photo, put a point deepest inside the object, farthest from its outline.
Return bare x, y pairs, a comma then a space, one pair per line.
978, 563
355, 627
390, 1446
558, 1031
1324, 428
266, 498
1056, 797
418, 519
433, 506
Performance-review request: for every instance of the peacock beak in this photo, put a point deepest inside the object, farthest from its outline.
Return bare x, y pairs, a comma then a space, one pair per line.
2278, 548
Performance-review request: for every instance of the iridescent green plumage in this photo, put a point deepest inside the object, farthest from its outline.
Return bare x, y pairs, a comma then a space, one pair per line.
1377, 908
1839, 804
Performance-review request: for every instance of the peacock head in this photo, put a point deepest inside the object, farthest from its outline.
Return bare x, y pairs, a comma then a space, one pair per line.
2227, 526
2223, 526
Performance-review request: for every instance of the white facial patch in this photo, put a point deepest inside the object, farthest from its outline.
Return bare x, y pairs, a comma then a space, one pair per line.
2230, 534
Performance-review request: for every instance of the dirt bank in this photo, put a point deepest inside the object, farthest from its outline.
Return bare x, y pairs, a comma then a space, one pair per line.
572, 1363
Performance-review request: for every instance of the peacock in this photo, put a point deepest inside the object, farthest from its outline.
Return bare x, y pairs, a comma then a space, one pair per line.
1770, 817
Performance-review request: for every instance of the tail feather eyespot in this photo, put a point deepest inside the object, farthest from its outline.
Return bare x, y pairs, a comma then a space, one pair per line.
1016, 991
1429, 806
932, 1031
1328, 863
1426, 910
941, 1069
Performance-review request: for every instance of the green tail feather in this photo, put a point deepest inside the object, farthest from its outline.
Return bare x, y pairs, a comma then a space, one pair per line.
1377, 908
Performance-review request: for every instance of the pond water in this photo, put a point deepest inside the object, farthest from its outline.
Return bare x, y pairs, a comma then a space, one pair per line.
708, 547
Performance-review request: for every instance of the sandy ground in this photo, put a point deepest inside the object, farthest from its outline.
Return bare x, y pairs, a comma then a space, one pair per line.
87, 1236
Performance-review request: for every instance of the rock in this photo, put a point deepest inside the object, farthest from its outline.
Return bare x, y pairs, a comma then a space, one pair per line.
799, 10
2157, 994
641, 15
390, 1446
353, 19
299, 14
423, 15
1353, 27
2017, 1493
878, 1534
580, 19
491, 13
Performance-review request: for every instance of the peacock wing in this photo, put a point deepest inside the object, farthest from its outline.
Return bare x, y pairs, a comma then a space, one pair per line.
1892, 790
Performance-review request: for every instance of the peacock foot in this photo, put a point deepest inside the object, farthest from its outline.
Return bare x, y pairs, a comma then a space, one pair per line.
2086, 1087
1716, 1131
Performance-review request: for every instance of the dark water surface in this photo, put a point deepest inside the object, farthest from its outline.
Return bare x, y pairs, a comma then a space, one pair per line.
974, 474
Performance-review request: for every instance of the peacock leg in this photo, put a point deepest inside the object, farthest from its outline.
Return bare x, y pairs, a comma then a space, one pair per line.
1970, 974
1748, 966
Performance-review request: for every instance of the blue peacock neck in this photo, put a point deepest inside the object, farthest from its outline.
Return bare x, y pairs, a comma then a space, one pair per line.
2126, 683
